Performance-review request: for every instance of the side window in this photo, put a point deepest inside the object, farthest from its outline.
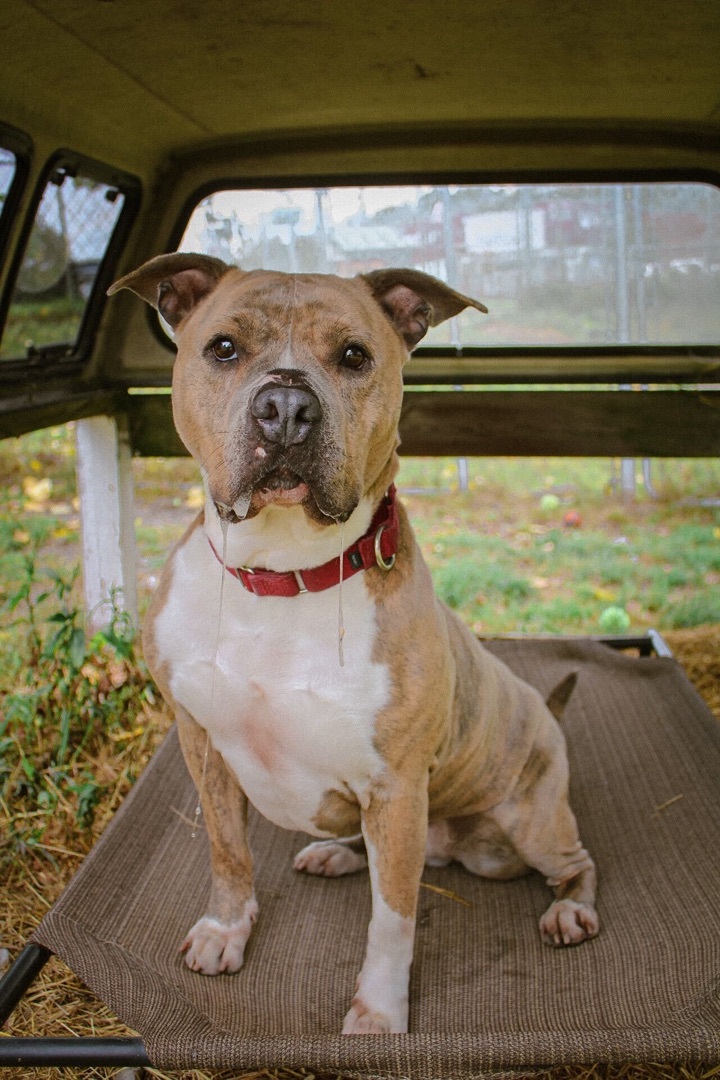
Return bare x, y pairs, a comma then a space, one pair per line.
8, 166
73, 227
12, 175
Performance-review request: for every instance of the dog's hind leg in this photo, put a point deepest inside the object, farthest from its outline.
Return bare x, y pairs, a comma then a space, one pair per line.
478, 844
332, 858
538, 821
554, 848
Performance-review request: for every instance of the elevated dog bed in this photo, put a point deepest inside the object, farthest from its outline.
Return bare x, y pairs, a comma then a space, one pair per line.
486, 995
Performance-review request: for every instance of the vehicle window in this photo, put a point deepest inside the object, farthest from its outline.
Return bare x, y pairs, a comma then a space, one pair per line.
73, 226
557, 264
8, 165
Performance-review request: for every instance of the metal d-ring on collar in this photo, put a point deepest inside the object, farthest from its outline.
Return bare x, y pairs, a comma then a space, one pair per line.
383, 563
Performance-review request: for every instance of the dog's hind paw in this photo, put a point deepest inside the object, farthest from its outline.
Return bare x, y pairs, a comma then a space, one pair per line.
567, 922
213, 948
330, 858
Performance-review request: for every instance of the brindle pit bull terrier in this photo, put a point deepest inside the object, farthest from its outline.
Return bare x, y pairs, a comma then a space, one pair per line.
420, 747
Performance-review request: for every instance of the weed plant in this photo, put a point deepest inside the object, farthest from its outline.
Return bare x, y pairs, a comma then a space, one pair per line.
71, 705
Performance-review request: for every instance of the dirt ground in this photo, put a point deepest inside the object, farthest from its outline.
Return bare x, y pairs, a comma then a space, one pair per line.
698, 650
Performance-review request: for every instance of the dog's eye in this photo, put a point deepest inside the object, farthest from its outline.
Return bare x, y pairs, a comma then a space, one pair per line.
223, 349
355, 357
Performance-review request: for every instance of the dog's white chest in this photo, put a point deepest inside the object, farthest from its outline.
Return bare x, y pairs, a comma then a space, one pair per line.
289, 720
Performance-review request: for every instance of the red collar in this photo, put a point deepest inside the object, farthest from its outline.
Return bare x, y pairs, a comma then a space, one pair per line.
377, 547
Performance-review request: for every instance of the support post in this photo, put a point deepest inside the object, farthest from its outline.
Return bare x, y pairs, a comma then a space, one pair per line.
107, 516
627, 479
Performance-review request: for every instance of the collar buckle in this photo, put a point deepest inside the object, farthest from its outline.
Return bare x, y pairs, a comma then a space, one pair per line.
382, 562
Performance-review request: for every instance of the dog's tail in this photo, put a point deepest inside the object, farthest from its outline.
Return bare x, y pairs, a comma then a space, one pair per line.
559, 697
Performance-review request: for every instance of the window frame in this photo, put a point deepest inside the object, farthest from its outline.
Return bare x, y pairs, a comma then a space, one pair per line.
71, 359
20, 145
622, 355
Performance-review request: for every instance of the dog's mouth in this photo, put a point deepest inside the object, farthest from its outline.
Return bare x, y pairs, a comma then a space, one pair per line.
282, 487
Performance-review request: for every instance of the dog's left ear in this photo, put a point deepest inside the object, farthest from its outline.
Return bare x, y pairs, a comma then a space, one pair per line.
174, 283
413, 301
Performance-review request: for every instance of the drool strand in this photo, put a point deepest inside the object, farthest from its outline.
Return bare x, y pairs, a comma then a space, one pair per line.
341, 621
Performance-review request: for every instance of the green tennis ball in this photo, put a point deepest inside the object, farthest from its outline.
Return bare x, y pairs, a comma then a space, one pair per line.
549, 502
614, 620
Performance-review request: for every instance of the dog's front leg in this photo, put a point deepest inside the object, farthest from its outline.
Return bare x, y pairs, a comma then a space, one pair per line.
394, 826
216, 943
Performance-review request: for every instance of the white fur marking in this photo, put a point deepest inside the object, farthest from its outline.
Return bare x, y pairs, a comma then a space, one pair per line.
381, 1001
289, 725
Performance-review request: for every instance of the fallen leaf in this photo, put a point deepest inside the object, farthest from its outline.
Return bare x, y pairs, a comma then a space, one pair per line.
37, 490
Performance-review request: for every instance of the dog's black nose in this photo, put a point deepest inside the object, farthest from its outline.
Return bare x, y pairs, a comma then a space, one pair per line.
285, 413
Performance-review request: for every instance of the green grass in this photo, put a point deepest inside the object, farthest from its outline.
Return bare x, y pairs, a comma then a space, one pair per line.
700, 609
507, 564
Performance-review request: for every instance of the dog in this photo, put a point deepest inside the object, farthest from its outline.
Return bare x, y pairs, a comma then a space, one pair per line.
337, 693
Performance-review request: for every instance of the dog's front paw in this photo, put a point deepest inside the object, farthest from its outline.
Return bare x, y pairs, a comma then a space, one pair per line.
329, 858
567, 922
364, 1020
213, 947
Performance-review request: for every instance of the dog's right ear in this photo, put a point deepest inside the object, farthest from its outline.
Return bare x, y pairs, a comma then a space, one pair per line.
175, 283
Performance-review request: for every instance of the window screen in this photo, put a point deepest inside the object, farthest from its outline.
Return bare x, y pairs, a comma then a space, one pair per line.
557, 264
73, 226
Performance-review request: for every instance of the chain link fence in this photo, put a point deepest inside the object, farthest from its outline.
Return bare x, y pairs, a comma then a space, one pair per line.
70, 235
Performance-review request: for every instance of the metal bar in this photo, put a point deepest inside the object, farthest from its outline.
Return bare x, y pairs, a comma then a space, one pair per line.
80, 1051
660, 645
20, 976
648, 644
32, 1053
644, 643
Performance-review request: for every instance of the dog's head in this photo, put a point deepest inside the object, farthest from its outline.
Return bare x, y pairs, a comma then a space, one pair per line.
287, 387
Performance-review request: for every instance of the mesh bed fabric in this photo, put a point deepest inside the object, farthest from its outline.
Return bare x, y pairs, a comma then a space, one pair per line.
486, 996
